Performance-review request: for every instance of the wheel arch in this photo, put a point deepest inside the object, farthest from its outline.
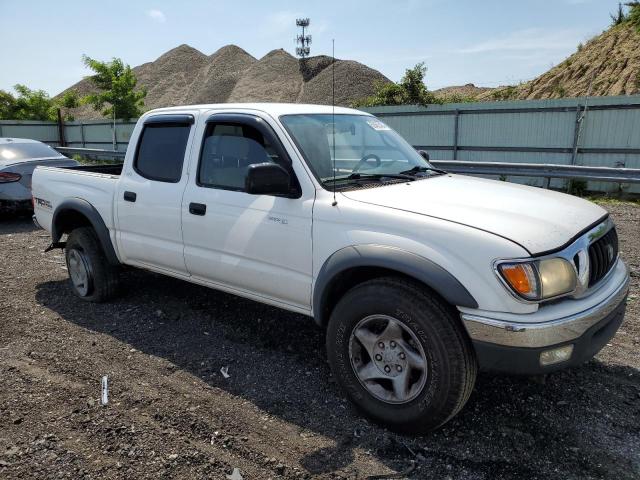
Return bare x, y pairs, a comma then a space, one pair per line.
76, 212
352, 265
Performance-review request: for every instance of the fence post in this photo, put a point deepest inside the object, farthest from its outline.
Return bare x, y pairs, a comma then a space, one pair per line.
576, 137
0, 129
82, 133
456, 123
115, 140
61, 139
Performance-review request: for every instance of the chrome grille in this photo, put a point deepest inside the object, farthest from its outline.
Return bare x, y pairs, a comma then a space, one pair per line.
602, 256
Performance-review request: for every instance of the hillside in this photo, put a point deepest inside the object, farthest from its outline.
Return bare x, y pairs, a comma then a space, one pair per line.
468, 90
185, 76
608, 64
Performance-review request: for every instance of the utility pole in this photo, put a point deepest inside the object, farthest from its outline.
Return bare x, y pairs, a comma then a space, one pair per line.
303, 39
115, 142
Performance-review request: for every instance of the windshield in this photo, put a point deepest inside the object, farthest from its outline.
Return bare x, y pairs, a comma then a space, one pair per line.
26, 151
363, 145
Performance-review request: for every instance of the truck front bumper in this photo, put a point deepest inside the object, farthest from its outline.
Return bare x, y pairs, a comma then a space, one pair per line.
540, 347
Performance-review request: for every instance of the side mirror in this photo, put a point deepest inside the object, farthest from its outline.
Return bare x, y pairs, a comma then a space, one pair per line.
267, 179
424, 155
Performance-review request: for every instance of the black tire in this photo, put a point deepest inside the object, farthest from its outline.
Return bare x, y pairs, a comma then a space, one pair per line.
451, 365
102, 277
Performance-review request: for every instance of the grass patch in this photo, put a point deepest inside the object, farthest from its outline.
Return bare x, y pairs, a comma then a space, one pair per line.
605, 200
94, 161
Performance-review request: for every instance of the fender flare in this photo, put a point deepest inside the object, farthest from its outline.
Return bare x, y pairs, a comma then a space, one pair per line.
95, 219
402, 261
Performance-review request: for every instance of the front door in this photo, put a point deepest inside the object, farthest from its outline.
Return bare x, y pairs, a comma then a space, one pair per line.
149, 196
257, 244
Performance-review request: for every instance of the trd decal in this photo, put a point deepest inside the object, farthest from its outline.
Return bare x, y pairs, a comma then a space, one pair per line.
42, 203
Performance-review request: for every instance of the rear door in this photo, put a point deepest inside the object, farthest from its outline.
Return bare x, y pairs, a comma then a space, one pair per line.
150, 191
258, 244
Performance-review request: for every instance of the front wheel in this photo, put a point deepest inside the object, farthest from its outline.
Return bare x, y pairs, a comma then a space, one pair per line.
91, 276
400, 354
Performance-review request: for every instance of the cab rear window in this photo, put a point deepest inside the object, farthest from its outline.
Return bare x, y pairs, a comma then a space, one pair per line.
160, 152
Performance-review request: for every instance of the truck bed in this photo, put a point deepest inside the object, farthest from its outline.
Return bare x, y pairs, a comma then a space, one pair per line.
95, 184
108, 168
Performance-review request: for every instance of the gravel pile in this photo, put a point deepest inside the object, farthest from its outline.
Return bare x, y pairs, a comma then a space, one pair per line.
353, 80
215, 82
186, 76
275, 77
170, 78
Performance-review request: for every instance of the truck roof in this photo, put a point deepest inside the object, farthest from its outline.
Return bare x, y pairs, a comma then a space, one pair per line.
273, 109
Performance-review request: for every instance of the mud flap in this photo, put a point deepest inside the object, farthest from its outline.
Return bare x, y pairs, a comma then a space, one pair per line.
55, 245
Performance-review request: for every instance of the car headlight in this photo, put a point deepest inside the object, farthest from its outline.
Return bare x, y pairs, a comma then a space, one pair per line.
539, 279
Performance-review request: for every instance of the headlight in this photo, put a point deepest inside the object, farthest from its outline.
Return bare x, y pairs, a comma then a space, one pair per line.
539, 279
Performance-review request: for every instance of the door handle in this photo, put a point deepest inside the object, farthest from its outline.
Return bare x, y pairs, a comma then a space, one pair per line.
197, 208
130, 196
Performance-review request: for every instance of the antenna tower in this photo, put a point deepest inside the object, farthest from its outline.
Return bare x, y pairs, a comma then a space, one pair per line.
303, 40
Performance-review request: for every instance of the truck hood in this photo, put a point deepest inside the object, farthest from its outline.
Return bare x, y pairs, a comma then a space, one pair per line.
537, 219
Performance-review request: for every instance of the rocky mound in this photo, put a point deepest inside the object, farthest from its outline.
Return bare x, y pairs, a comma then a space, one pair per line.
186, 76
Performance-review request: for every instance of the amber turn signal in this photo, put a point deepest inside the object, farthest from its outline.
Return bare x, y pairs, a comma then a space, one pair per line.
522, 278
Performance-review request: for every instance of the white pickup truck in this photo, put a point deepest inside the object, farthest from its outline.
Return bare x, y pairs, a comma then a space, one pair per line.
419, 276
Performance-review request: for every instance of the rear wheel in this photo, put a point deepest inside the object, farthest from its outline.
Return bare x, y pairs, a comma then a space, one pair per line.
401, 354
91, 275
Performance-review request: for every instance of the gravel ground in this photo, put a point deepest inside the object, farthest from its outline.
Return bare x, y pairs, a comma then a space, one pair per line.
172, 414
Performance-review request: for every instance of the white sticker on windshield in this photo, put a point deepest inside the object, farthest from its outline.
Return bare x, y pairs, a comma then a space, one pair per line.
377, 125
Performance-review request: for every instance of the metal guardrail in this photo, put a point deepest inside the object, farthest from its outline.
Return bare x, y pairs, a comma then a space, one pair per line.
540, 170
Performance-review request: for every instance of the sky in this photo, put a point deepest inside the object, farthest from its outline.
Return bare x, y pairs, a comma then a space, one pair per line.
485, 42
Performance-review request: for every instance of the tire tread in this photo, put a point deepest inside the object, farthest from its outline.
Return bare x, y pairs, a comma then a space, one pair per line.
105, 276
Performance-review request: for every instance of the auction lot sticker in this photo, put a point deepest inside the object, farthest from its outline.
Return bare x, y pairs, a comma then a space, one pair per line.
377, 124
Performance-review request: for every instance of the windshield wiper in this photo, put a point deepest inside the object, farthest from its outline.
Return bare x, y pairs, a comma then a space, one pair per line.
372, 176
419, 169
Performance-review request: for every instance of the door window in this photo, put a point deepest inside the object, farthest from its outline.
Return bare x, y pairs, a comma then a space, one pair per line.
161, 150
228, 150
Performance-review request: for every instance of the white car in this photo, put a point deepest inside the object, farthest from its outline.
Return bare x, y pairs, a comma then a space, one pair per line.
18, 158
419, 276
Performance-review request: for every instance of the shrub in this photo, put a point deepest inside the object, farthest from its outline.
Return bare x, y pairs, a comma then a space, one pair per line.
618, 17
506, 93
577, 187
411, 90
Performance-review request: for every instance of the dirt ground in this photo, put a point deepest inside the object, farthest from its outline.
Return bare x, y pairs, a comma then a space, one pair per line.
172, 414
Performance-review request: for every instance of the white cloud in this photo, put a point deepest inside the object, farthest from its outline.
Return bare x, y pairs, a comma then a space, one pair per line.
526, 40
157, 15
279, 22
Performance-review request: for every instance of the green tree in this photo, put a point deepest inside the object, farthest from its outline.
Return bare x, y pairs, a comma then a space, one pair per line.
411, 90
69, 99
116, 83
7, 105
35, 104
